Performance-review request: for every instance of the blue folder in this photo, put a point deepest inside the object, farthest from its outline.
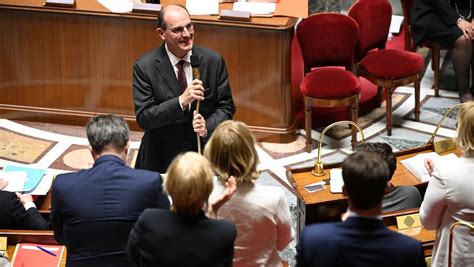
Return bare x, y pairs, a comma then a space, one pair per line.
33, 177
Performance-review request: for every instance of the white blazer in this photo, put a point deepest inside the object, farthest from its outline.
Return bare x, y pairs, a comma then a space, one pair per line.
450, 198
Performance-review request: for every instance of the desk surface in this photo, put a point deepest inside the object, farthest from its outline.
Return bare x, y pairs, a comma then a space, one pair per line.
92, 7
426, 237
302, 177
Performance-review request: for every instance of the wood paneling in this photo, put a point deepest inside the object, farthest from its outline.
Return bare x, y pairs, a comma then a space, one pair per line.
63, 65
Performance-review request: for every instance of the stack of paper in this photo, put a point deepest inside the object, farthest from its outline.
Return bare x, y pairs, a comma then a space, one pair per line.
336, 181
202, 7
416, 164
16, 181
256, 9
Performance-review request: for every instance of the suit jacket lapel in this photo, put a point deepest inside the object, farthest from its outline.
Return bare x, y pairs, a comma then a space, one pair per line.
167, 71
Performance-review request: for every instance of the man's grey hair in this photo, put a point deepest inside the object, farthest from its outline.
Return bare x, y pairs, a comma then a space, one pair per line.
107, 132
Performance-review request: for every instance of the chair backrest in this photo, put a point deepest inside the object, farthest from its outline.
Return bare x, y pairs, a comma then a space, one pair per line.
455, 225
374, 18
327, 39
406, 7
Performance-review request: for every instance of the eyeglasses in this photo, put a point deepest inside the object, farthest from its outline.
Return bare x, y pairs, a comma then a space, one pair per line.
180, 30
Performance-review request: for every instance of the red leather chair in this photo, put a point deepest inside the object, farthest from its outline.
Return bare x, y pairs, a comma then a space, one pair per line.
327, 42
434, 46
387, 68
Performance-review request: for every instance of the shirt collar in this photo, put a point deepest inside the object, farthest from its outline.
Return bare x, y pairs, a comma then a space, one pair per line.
356, 215
174, 59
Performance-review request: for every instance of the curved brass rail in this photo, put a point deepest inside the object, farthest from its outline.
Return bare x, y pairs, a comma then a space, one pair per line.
318, 165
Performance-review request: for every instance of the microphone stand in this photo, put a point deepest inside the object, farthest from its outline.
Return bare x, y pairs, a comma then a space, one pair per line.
318, 169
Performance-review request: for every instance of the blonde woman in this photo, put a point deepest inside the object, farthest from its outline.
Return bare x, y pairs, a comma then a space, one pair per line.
450, 196
261, 213
184, 236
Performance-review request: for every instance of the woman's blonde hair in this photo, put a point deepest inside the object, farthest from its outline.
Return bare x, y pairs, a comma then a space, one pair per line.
231, 151
189, 183
465, 138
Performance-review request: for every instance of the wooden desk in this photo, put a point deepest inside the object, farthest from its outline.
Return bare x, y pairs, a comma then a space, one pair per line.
426, 237
63, 65
323, 205
29, 236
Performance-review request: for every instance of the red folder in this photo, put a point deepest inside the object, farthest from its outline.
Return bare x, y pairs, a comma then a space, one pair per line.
37, 255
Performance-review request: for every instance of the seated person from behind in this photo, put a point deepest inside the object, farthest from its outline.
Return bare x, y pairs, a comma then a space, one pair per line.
18, 211
363, 239
260, 212
93, 210
184, 236
396, 197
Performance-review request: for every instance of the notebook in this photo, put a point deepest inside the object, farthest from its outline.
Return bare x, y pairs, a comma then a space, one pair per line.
37, 255
33, 175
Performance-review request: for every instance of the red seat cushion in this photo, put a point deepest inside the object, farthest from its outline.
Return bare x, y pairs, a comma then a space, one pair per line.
330, 83
391, 64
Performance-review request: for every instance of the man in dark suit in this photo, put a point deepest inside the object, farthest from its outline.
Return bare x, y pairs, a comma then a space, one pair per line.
165, 95
93, 210
18, 211
363, 239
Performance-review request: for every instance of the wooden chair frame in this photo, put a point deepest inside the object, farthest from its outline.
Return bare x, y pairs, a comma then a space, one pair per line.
389, 86
352, 102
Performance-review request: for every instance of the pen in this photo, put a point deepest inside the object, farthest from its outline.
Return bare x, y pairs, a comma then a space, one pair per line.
47, 251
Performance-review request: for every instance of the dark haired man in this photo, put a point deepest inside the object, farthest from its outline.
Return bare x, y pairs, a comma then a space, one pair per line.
396, 197
165, 94
363, 239
93, 210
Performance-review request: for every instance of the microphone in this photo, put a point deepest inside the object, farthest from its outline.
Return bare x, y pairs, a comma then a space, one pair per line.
196, 75
195, 66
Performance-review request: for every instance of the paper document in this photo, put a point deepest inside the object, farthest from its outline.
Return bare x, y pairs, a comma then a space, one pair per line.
396, 24
416, 164
16, 181
256, 9
147, 6
202, 7
33, 175
43, 187
64, 2
336, 181
117, 6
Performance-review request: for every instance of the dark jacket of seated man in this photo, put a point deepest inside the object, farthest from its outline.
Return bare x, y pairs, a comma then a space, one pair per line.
93, 210
16, 215
363, 239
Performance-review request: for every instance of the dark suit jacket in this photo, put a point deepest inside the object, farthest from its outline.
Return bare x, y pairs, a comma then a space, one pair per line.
93, 210
168, 129
357, 242
14, 216
164, 238
423, 12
